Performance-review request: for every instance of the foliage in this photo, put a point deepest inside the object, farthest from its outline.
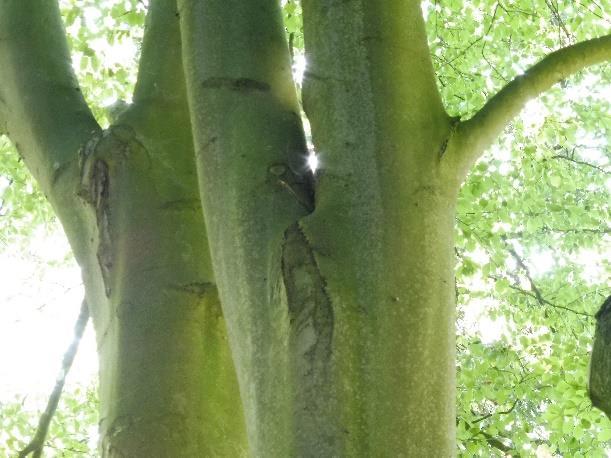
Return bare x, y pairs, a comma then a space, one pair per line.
73, 430
532, 222
532, 218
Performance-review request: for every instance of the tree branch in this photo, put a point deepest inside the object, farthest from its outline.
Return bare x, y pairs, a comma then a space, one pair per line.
522, 265
536, 292
37, 443
498, 412
571, 158
492, 440
160, 70
473, 136
497, 443
160, 107
41, 105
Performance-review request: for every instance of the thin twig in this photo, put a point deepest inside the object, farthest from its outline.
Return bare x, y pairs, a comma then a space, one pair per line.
556, 15
536, 292
37, 443
499, 412
584, 163
526, 270
492, 440
474, 42
546, 302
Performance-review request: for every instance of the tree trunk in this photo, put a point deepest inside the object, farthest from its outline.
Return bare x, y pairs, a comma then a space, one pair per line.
167, 385
128, 200
340, 310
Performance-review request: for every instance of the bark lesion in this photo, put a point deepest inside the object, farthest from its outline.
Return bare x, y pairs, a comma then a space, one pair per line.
307, 298
99, 160
198, 289
300, 186
311, 328
236, 84
95, 191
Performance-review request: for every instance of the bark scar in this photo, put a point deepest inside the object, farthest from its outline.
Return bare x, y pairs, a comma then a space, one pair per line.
300, 187
309, 307
95, 190
199, 289
102, 160
454, 122
236, 84
311, 328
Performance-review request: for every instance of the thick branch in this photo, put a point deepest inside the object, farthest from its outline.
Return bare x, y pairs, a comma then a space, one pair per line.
160, 70
41, 106
250, 150
160, 107
37, 443
476, 134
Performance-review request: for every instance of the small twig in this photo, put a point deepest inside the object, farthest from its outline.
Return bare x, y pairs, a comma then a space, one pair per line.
37, 443
556, 15
492, 440
546, 302
584, 163
497, 443
474, 42
590, 230
500, 412
526, 270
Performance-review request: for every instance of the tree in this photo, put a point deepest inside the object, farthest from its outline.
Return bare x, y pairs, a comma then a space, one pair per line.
337, 289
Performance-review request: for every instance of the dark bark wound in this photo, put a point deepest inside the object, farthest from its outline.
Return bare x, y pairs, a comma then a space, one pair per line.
199, 289
95, 190
308, 302
101, 189
311, 338
299, 186
236, 84
105, 161
454, 121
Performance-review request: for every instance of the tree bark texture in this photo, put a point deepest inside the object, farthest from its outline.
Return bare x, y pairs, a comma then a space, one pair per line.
341, 319
127, 198
337, 289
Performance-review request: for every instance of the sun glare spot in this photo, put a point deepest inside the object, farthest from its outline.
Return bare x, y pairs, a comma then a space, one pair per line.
299, 68
313, 161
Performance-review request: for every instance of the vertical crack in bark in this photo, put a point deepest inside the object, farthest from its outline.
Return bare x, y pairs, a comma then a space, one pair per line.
100, 191
95, 190
311, 334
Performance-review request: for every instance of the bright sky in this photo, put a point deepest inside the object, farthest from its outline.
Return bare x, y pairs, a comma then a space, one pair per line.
40, 300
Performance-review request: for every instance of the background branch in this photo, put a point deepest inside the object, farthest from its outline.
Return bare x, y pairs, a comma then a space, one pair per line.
535, 291
37, 443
